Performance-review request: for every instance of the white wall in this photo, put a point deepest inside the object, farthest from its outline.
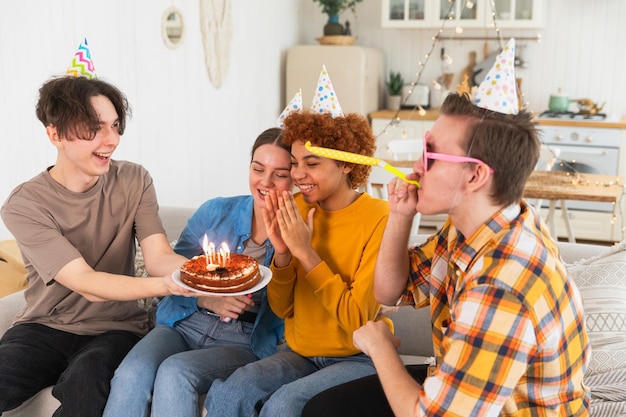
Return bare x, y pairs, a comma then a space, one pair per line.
195, 138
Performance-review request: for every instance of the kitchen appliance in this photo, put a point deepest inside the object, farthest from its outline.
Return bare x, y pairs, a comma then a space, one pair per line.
580, 116
356, 72
574, 116
583, 149
586, 106
415, 95
559, 102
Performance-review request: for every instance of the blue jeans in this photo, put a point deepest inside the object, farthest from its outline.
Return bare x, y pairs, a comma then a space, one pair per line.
34, 356
178, 364
281, 384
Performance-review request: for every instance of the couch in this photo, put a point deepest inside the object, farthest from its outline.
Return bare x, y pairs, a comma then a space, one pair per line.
599, 271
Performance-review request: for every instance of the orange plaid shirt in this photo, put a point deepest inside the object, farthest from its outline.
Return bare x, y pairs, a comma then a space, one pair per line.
508, 327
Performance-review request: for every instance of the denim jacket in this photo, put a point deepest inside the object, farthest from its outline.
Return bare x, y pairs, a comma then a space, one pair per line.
229, 220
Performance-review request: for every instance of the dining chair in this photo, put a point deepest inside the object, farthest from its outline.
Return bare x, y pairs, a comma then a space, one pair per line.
548, 155
405, 149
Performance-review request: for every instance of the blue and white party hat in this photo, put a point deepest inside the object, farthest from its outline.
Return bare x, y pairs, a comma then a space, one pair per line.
325, 100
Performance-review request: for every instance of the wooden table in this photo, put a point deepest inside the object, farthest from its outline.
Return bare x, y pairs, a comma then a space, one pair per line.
558, 185
400, 164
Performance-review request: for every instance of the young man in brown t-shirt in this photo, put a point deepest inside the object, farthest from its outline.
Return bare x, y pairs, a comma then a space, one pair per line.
76, 225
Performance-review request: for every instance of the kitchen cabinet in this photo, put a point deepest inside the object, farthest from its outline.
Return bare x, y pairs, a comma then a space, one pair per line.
408, 13
433, 13
461, 15
518, 13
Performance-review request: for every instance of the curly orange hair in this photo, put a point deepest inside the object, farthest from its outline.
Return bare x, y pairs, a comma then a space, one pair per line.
351, 133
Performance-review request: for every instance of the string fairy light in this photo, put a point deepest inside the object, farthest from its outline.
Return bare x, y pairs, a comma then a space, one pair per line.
395, 120
449, 16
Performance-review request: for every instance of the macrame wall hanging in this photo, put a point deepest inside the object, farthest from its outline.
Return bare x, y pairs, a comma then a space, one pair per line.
216, 24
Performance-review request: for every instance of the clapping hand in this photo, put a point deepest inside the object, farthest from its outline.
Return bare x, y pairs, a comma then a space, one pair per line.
271, 223
294, 231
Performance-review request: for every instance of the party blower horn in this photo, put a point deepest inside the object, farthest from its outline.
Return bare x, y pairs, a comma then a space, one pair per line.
356, 158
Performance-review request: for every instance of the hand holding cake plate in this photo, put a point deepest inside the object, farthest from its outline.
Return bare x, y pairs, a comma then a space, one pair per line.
266, 277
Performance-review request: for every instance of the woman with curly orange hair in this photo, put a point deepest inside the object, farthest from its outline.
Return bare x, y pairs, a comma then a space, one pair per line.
326, 240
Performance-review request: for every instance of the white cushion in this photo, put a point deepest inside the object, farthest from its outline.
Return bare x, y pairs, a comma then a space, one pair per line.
602, 284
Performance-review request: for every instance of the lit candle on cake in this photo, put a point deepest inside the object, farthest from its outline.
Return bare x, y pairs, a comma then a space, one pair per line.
205, 248
225, 250
211, 251
222, 255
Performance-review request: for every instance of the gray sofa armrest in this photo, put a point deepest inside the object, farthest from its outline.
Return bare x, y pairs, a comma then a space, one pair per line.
9, 307
412, 326
573, 252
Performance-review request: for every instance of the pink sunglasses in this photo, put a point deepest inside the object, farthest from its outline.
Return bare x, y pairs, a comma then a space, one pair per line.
448, 158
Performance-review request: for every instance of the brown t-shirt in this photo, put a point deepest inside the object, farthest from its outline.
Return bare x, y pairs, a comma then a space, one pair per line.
54, 226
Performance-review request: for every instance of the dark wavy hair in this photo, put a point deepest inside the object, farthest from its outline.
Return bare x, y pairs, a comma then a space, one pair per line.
271, 136
65, 103
507, 143
350, 133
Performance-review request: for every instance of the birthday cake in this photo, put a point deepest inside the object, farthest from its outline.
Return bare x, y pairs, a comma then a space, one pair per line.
233, 273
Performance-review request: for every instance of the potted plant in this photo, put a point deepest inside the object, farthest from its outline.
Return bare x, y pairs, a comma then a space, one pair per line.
394, 90
332, 8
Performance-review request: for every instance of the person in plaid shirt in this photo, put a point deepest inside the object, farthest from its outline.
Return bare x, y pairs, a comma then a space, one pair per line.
508, 327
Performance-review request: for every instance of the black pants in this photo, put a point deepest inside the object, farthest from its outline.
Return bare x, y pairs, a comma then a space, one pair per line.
362, 397
80, 368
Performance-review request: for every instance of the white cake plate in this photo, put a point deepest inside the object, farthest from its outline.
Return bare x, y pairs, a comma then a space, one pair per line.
266, 277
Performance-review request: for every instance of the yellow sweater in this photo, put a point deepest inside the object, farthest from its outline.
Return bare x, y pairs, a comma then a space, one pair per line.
322, 309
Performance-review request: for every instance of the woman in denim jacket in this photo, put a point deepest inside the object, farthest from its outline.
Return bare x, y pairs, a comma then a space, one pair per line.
199, 340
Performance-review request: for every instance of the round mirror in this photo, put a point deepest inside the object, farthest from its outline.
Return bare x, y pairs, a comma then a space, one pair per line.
172, 27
